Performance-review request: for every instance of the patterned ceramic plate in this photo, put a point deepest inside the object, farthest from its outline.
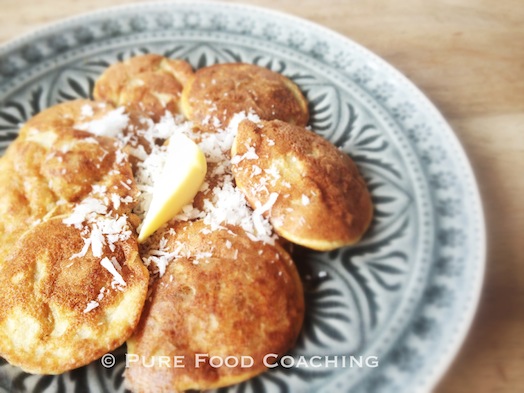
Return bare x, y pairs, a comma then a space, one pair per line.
386, 315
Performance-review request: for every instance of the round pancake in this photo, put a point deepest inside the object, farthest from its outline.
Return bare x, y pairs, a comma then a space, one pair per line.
214, 94
150, 84
44, 325
16, 214
100, 118
64, 187
64, 164
48, 169
322, 201
225, 295
64, 117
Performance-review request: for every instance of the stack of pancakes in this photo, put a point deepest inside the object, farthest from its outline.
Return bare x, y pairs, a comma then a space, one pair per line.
75, 285
54, 174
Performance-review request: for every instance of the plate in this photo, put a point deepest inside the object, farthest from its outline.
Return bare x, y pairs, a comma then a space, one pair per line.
386, 315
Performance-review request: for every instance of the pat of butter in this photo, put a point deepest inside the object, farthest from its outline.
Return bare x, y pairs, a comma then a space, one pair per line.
182, 176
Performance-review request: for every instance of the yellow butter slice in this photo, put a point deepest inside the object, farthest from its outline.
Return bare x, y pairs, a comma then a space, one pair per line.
182, 176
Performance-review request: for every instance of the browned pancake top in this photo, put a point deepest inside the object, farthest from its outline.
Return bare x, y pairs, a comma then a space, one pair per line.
227, 296
51, 161
215, 93
150, 84
63, 118
43, 324
51, 170
322, 200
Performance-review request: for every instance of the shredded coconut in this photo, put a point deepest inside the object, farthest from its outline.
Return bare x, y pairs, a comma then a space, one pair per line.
95, 303
115, 198
262, 225
101, 294
98, 227
274, 173
110, 267
86, 111
160, 257
91, 306
113, 123
305, 200
248, 155
256, 170
125, 185
84, 209
225, 204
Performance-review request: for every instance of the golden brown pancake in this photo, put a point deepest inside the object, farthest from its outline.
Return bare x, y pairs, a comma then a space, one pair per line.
16, 214
67, 209
322, 201
71, 167
149, 84
224, 296
214, 94
64, 117
46, 172
86, 115
44, 326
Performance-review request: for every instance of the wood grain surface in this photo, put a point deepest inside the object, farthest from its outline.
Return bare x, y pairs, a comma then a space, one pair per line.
468, 58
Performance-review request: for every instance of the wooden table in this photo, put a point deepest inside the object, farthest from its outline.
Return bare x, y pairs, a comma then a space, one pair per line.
468, 57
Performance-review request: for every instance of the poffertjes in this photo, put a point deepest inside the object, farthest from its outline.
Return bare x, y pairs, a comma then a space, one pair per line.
214, 94
149, 84
76, 279
321, 200
53, 165
73, 284
100, 118
47, 126
224, 295
44, 325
